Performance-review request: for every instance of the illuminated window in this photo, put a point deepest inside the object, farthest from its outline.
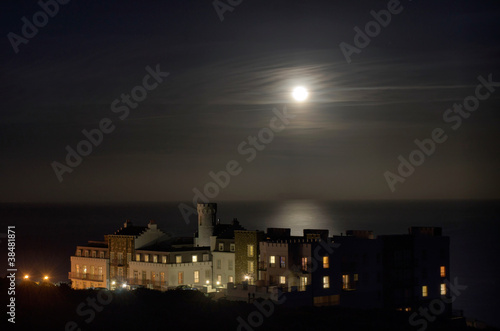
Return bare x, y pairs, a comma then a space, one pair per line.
250, 266
443, 271
146, 257
164, 259
221, 246
424, 290
303, 283
230, 265
153, 276
326, 282
443, 289
230, 279
282, 262
345, 282
94, 253
162, 277
77, 268
196, 276
180, 278
195, 258
137, 257
178, 259
84, 269
326, 263
272, 259
231, 247
219, 278
282, 280
304, 263
92, 270
250, 250
99, 271
155, 258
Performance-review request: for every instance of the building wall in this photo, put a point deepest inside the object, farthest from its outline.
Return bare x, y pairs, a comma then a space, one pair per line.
150, 236
242, 240
227, 267
207, 213
120, 245
188, 269
82, 280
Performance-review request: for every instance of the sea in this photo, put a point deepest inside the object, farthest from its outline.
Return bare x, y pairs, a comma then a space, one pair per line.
47, 234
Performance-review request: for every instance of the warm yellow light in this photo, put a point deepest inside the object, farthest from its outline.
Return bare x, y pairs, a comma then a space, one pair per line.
124, 285
208, 282
113, 283
246, 277
218, 283
26, 276
46, 277
300, 93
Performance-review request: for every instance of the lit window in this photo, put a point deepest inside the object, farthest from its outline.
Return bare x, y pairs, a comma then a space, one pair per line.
282, 262
250, 250
443, 271
92, 270
164, 259
272, 260
180, 278
345, 282
84, 269
99, 271
304, 263
303, 283
146, 257
162, 277
219, 264
219, 279
231, 247
155, 258
230, 279
77, 268
221, 246
326, 263
196, 276
94, 253
282, 280
195, 258
137, 257
250, 266
178, 259
424, 290
230, 265
326, 282
443, 289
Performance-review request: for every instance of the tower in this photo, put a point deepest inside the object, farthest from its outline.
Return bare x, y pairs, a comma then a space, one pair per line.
207, 213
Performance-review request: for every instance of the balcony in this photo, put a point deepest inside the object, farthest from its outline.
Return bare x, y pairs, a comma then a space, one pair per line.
87, 276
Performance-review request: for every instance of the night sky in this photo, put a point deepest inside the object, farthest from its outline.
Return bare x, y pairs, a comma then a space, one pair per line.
224, 80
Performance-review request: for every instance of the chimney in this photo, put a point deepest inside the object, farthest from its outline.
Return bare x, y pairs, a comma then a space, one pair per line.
127, 223
152, 225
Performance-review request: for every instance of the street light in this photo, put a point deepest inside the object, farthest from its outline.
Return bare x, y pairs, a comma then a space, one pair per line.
26, 276
46, 278
208, 282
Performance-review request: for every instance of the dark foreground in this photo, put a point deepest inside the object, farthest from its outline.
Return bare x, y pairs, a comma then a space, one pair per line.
49, 307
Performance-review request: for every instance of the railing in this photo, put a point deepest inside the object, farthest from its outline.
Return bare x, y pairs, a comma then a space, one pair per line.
155, 283
87, 276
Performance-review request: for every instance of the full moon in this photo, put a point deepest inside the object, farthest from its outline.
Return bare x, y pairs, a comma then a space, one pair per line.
300, 93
